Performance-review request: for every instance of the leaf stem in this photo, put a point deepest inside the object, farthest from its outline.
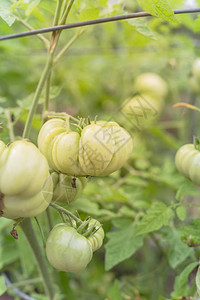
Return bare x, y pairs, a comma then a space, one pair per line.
29, 232
67, 212
10, 125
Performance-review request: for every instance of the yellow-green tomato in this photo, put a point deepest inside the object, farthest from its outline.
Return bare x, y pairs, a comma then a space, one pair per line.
67, 188
25, 184
151, 84
96, 239
67, 250
142, 110
187, 161
99, 149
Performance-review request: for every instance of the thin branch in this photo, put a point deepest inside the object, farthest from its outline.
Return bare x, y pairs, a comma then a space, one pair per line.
40, 36
68, 45
93, 22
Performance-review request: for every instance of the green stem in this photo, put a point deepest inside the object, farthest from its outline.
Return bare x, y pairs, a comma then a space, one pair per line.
66, 13
49, 218
25, 283
47, 93
36, 98
10, 125
60, 54
67, 212
29, 232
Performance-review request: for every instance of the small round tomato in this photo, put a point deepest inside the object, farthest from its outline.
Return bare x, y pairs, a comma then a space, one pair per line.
96, 239
100, 149
67, 250
142, 110
151, 84
187, 161
26, 187
67, 188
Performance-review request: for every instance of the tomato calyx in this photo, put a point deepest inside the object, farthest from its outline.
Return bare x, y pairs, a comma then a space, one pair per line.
1, 203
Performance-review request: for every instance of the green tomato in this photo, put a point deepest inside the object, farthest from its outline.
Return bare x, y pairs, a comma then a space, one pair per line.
187, 161
67, 250
151, 84
194, 84
96, 239
25, 184
67, 188
99, 150
142, 110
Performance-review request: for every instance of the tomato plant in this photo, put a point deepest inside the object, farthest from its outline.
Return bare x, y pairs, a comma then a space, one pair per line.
97, 173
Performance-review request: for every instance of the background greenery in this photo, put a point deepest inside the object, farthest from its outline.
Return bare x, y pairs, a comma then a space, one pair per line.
149, 212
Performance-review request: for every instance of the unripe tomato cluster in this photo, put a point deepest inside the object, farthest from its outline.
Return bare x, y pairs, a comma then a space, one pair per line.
147, 104
31, 177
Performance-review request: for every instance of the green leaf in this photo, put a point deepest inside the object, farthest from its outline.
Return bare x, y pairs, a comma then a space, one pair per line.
6, 14
157, 216
181, 212
121, 245
4, 223
89, 14
115, 292
142, 27
159, 8
187, 188
31, 7
191, 232
177, 250
3, 287
180, 286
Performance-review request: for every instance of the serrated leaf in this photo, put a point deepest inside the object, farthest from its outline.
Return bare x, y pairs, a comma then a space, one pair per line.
191, 232
3, 287
159, 8
6, 14
180, 286
121, 245
115, 292
181, 212
177, 250
142, 27
189, 189
157, 216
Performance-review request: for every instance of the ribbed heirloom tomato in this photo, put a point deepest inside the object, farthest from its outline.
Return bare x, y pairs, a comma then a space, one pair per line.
96, 239
67, 188
187, 161
67, 250
26, 187
100, 149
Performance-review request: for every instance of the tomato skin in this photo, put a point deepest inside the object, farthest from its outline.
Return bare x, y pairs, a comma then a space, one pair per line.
142, 110
196, 69
187, 161
64, 192
25, 181
67, 250
97, 151
96, 239
151, 84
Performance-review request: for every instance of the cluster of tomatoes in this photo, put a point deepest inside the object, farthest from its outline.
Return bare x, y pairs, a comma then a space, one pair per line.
31, 178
